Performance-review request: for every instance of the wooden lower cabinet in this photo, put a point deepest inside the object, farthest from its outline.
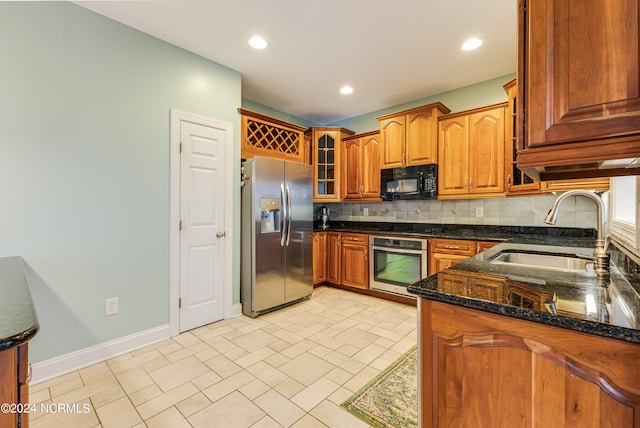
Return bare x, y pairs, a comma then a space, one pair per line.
479, 369
334, 256
14, 385
319, 257
444, 253
484, 246
355, 260
347, 259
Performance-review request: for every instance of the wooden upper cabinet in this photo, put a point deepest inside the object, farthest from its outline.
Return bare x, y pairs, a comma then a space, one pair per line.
392, 132
486, 151
453, 154
361, 170
327, 155
266, 136
579, 86
471, 153
410, 137
516, 181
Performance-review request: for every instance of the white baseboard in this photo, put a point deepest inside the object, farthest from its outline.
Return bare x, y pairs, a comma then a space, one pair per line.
64, 364
236, 310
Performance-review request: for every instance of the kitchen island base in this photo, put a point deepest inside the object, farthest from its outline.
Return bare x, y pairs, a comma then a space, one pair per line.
487, 370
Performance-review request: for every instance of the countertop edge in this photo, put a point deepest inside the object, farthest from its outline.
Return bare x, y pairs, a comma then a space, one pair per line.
583, 326
14, 281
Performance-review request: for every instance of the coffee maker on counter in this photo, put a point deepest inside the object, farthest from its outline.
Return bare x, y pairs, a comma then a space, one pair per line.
323, 214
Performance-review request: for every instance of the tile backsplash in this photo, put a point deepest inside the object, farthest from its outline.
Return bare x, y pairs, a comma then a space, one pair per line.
513, 211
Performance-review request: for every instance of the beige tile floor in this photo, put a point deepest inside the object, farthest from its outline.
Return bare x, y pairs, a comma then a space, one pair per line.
290, 368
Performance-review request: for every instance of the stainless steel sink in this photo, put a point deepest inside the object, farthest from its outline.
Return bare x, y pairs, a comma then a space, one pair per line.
559, 262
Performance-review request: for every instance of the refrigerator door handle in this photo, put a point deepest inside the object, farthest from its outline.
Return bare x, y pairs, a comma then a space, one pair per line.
283, 217
289, 209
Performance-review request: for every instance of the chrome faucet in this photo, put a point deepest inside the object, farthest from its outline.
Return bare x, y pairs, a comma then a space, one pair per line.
600, 254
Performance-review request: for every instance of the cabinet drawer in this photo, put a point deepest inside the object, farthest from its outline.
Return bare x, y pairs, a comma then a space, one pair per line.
484, 246
452, 246
355, 238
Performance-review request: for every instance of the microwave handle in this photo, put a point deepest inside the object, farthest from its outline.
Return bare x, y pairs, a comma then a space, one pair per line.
423, 184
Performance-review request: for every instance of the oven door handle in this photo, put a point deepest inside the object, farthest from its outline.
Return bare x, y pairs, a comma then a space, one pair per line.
398, 250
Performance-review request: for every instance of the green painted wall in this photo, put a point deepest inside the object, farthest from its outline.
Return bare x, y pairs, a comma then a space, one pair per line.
468, 97
84, 119
277, 114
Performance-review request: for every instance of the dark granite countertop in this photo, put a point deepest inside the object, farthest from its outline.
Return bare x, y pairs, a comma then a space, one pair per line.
18, 321
606, 306
529, 234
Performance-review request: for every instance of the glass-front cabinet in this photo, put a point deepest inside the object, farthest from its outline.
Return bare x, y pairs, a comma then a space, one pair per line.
326, 142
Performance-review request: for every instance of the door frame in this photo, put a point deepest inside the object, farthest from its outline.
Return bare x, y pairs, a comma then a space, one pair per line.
174, 216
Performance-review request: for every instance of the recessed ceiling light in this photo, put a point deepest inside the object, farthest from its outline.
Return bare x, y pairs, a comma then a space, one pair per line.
346, 90
471, 44
257, 42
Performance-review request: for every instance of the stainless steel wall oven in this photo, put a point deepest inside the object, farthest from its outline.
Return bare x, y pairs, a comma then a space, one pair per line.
396, 262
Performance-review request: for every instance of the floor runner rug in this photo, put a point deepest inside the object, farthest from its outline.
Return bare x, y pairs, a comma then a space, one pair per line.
390, 399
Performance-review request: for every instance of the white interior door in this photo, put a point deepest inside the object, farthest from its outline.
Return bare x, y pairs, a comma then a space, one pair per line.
202, 196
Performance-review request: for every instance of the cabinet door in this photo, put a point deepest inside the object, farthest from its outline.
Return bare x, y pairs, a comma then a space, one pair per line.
453, 156
555, 378
333, 257
351, 167
370, 166
326, 164
319, 257
9, 386
516, 181
421, 138
484, 246
439, 262
355, 261
579, 63
486, 151
392, 133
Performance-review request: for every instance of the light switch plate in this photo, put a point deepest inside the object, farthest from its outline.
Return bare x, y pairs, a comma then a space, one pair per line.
111, 306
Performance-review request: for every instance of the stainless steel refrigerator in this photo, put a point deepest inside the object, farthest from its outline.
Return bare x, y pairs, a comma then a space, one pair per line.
277, 234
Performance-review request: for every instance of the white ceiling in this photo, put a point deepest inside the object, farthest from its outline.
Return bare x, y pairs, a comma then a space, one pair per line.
391, 52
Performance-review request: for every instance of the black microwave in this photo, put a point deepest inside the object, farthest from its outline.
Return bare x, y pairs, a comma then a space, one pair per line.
412, 182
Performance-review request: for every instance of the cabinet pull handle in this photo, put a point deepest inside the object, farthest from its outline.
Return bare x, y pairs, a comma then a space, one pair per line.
470, 183
509, 181
366, 253
452, 247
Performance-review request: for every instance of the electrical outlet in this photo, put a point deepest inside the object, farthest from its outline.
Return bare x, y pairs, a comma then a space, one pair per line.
479, 211
365, 211
111, 306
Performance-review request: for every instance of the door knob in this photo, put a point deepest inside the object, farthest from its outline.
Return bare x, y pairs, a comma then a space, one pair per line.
220, 234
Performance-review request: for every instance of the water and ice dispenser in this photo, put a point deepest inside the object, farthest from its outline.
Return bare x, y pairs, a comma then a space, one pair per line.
269, 215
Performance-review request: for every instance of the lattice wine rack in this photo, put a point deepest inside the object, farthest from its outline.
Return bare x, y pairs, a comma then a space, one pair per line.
266, 136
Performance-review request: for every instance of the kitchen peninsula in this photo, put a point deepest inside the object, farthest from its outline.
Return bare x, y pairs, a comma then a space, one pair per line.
545, 347
18, 325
